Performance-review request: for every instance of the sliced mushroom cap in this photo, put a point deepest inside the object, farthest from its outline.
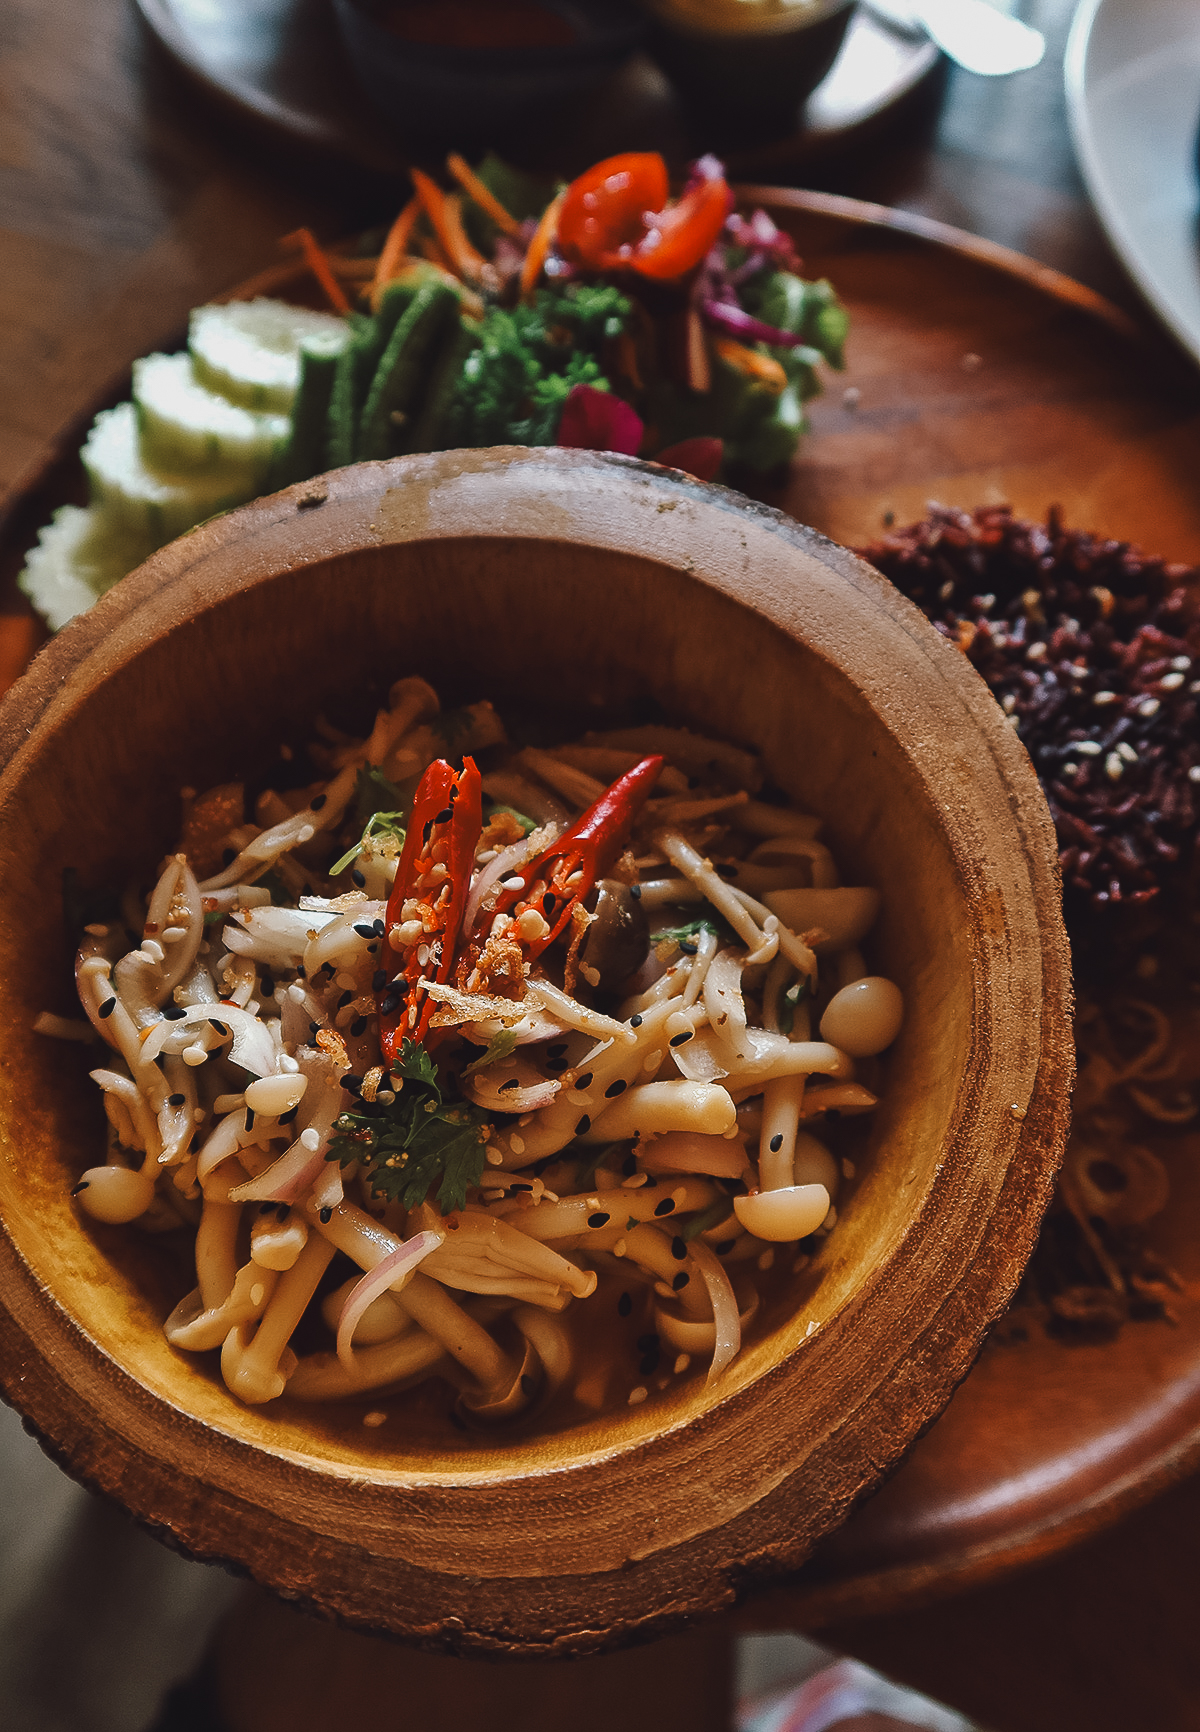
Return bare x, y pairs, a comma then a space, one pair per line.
618, 940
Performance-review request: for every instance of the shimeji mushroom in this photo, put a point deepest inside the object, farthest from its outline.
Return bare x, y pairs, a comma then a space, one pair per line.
256, 1366
113, 1193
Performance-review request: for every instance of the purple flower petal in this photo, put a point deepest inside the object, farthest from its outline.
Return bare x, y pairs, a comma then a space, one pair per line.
595, 420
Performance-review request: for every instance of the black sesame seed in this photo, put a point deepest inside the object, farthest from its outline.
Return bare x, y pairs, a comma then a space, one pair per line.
666, 1207
391, 1003
635, 890
519, 1185
326, 1217
584, 1081
776, 1142
557, 1050
364, 928
514, 1082
286, 1118
624, 1305
689, 948
684, 1036
635, 1022
267, 987
678, 1249
357, 878
681, 1280
316, 804
548, 904
600, 1219
615, 1088
172, 1015
107, 1008
265, 1208
555, 1065
81, 1186
647, 1343
528, 1385
358, 1027
176, 1100
344, 1000
314, 1028
352, 1083
584, 1125
379, 980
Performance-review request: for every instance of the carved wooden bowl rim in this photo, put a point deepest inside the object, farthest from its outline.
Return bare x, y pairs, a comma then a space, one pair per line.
640, 1523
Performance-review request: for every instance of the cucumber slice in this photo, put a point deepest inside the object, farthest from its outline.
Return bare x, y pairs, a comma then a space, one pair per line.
249, 351
184, 425
153, 505
76, 559
302, 454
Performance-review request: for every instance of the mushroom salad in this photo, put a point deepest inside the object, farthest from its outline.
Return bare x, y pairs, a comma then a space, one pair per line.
512, 1067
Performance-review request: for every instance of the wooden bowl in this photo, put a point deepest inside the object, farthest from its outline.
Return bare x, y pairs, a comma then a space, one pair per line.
581, 578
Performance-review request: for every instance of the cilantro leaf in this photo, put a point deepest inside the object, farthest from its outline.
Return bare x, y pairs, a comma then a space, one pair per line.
374, 793
794, 996
686, 934
378, 824
500, 1046
408, 1145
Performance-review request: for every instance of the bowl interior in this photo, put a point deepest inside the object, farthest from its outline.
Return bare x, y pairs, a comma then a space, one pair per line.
584, 632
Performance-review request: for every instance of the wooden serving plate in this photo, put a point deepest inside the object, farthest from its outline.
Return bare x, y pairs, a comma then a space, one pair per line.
585, 578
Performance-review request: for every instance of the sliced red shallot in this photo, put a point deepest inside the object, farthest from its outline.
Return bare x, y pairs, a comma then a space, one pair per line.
386, 1274
505, 862
724, 1304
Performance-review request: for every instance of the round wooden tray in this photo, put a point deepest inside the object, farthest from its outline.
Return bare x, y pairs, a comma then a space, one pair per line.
981, 376
281, 63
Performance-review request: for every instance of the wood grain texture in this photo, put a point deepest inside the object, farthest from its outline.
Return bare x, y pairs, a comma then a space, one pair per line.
732, 614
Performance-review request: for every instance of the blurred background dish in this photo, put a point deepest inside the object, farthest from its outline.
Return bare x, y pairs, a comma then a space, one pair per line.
745, 66
476, 70
1133, 95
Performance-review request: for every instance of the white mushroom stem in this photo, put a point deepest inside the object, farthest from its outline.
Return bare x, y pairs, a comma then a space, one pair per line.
216, 1238
266, 848
665, 1106
171, 938
549, 1341
609, 1076
783, 1099
177, 1116
707, 945
323, 1377
485, 1248
256, 1367
429, 1305
132, 1099
196, 1329
695, 867
119, 1028
582, 1218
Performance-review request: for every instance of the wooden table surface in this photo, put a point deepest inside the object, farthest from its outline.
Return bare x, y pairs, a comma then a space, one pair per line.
125, 200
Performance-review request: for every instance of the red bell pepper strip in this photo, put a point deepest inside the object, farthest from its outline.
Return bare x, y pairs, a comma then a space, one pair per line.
563, 873
425, 908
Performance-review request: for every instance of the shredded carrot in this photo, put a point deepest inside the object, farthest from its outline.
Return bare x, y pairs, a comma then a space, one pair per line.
765, 368
444, 214
699, 372
395, 247
539, 246
429, 249
318, 264
479, 194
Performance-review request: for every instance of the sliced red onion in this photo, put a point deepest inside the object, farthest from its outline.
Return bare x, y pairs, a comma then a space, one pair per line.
506, 861
485, 1090
725, 1311
386, 1274
285, 1179
722, 316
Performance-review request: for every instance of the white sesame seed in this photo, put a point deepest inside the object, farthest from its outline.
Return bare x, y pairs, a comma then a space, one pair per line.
1087, 748
1126, 751
681, 1364
1036, 652
1181, 664
1194, 773
311, 1140
96, 931
1148, 707
638, 1395
1102, 698
374, 1418
1171, 682
1008, 703
514, 883
1113, 767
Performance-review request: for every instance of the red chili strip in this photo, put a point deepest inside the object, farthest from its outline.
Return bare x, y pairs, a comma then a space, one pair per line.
425, 908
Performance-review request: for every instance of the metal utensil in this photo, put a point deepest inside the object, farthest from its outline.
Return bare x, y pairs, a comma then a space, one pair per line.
971, 32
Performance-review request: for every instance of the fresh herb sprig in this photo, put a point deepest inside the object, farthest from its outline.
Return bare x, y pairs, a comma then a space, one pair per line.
409, 1144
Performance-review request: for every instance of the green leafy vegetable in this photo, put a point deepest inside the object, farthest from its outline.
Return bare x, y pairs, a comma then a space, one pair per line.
500, 1046
792, 998
528, 825
516, 381
378, 824
374, 793
710, 1217
408, 1145
685, 936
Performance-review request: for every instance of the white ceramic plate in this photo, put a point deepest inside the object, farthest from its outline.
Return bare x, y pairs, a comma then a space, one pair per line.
1133, 94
